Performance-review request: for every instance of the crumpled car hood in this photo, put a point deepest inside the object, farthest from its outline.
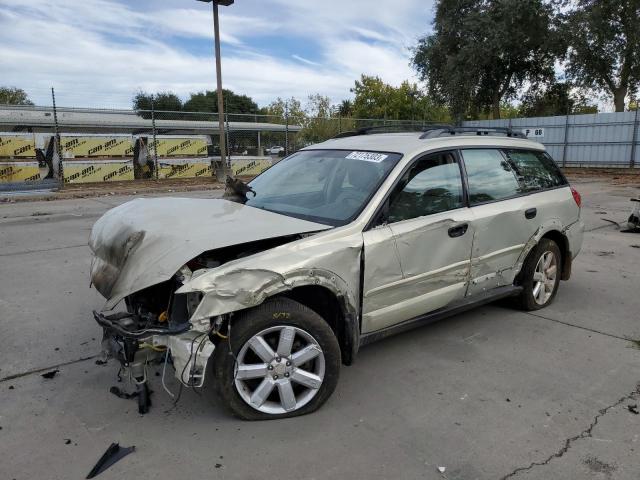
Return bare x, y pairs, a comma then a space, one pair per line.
145, 242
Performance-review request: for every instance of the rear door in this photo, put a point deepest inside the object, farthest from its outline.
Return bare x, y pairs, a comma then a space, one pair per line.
500, 218
428, 233
510, 194
549, 195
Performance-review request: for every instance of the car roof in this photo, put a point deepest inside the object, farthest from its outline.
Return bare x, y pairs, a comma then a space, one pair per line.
410, 142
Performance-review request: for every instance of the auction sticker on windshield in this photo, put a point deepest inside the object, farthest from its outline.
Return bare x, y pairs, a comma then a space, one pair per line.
367, 156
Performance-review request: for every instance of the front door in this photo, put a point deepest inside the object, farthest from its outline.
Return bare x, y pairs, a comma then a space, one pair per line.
428, 234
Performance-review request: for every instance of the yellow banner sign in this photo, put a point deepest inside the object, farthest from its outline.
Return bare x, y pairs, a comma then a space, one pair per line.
97, 171
109, 146
183, 168
249, 167
172, 147
17, 146
19, 172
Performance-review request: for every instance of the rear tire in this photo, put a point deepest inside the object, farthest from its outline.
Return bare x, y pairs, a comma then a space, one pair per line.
540, 275
282, 360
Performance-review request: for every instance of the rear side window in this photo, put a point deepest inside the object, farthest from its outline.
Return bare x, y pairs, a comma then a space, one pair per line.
535, 170
489, 175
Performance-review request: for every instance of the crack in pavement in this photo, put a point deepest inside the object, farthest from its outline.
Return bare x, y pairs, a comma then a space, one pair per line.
588, 329
46, 219
43, 369
608, 225
586, 433
25, 252
104, 202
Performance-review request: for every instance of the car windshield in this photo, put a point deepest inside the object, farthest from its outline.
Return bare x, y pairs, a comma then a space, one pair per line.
325, 186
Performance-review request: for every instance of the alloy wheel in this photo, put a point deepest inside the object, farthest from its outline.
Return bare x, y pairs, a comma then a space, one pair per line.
544, 278
279, 369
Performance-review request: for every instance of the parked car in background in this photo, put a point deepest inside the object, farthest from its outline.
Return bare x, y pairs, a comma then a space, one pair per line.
338, 245
276, 150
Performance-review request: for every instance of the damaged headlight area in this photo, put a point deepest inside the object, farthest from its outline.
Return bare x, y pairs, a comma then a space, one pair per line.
157, 331
156, 326
138, 260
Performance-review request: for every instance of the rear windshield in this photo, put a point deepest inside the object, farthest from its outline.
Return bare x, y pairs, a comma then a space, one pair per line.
325, 186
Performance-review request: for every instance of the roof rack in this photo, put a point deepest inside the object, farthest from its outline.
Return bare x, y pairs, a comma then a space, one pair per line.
394, 128
434, 130
480, 131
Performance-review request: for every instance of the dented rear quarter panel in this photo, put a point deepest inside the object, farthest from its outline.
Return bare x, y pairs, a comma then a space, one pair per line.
503, 236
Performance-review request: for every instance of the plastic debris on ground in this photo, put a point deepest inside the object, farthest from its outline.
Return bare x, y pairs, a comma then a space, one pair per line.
113, 454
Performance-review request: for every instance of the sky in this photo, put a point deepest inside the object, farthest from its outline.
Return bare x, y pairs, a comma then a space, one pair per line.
98, 53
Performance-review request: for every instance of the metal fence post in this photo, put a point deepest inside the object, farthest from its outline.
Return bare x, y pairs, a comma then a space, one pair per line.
155, 143
632, 160
286, 130
57, 138
565, 141
228, 144
259, 152
259, 146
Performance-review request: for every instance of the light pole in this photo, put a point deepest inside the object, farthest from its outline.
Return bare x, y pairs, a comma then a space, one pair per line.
216, 33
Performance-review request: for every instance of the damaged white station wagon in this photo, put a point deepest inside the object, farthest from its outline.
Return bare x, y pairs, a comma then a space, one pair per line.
336, 246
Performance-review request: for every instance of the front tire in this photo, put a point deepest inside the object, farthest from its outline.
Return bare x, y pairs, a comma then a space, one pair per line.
282, 360
540, 275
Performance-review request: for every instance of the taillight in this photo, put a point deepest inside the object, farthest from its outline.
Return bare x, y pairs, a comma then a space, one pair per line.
576, 197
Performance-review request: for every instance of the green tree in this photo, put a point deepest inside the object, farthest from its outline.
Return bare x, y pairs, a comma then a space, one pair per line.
345, 108
293, 108
376, 99
162, 101
14, 96
321, 121
557, 99
604, 52
482, 52
318, 106
208, 102
280, 111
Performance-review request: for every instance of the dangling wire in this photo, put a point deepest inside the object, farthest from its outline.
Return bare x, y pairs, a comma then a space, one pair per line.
235, 359
164, 369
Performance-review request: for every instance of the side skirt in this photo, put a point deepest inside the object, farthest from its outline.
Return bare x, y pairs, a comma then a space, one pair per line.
459, 307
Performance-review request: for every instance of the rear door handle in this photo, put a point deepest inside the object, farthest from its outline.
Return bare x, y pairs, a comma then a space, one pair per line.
458, 230
531, 213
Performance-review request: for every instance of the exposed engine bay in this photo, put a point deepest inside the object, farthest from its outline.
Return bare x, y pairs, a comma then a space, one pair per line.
155, 327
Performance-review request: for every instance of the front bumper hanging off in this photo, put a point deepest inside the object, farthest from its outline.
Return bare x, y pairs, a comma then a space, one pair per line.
188, 350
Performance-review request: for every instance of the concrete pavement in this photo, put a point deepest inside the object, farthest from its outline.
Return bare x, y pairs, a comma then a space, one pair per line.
493, 393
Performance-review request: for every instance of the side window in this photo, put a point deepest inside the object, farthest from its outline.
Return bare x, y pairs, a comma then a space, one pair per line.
536, 170
432, 185
489, 175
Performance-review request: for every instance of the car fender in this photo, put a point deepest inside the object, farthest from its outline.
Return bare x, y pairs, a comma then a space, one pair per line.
330, 259
241, 288
549, 225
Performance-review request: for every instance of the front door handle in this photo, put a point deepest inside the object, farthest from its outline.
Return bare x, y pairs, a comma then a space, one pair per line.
458, 230
531, 213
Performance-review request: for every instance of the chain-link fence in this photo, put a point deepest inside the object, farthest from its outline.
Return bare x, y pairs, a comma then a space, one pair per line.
44, 147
